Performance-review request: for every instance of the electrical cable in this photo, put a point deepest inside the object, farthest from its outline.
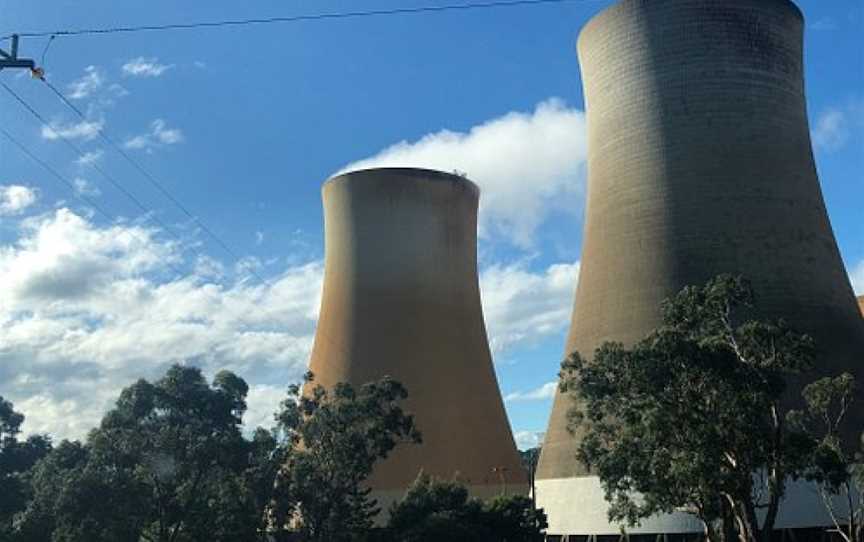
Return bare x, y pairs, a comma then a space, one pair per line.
155, 182
291, 19
216, 24
71, 186
148, 213
45, 51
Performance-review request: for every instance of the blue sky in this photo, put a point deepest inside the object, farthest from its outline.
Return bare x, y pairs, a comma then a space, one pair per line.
242, 126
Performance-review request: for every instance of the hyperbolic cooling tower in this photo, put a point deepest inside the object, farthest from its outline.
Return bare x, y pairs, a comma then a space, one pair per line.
401, 298
699, 163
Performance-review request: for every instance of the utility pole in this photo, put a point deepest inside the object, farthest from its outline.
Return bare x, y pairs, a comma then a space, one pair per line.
11, 60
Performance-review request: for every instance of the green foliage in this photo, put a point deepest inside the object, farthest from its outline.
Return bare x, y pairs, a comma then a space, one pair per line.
437, 510
16, 459
433, 510
167, 464
10, 421
513, 518
266, 460
836, 471
686, 416
529, 458
827, 401
334, 438
74, 500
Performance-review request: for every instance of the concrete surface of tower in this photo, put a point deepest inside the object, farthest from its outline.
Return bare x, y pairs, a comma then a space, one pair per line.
401, 298
699, 163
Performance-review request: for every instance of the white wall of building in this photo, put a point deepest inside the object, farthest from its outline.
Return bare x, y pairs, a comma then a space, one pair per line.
578, 506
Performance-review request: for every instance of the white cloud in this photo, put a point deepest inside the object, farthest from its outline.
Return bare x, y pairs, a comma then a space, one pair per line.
525, 440
831, 130
525, 163
89, 158
86, 130
96, 88
78, 411
83, 187
857, 277
523, 306
86, 310
145, 67
117, 91
63, 257
87, 84
209, 268
544, 392
823, 24
137, 142
248, 266
261, 403
15, 198
165, 135
259, 237
158, 136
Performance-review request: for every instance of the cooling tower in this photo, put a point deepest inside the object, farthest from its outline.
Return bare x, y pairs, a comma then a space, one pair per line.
699, 163
861, 304
401, 299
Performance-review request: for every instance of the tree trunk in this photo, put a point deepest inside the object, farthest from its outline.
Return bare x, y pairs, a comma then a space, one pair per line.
748, 523
767, 529
729, 533
711, 533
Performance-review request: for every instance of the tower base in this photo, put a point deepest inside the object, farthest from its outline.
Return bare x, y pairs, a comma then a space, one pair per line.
577, 507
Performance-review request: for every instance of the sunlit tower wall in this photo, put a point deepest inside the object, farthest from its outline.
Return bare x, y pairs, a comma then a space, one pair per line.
861, 304
699, 163
401, 299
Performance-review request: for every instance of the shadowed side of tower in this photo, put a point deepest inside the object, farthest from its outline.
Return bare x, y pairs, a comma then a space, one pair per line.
401, 298
699, 163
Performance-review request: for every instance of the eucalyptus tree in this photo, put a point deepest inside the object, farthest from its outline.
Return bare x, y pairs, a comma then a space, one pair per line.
692, 417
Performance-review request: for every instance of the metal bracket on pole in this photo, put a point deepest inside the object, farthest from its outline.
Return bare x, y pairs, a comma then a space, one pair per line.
11, 60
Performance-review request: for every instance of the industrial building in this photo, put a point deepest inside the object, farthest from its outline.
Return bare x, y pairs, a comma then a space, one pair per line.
699, 163
401, 299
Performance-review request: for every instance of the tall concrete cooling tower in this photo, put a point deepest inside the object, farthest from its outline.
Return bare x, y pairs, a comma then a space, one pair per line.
401, 298
699, 163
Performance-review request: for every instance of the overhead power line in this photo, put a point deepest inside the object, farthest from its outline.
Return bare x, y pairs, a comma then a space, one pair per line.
77, 150
289, 19
148, 213
159, 186
71, 186
138, 203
